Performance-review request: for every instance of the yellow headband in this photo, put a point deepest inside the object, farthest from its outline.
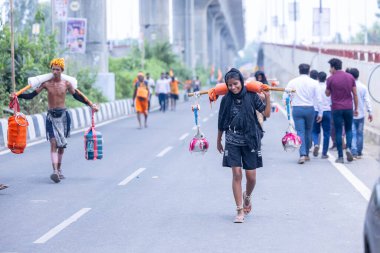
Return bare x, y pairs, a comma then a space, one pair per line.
59, 62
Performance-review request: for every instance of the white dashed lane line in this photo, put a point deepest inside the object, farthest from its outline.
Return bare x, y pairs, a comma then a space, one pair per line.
131, 177
346, 173
54, 231
183, 136
164, 151
205, 119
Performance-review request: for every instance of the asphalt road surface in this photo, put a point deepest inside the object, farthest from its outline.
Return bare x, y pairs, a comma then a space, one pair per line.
150, 194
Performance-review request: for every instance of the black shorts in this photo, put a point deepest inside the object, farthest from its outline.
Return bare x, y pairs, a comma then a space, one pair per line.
174, 96
236, 156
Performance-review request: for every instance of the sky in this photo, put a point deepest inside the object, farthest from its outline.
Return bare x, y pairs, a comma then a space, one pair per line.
346, 16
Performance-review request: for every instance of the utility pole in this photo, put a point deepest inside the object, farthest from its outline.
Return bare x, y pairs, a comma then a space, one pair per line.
320, 31
13, 75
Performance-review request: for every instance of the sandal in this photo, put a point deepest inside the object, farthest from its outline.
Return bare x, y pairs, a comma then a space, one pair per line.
3, 186
239, 217
247, 199
55, 177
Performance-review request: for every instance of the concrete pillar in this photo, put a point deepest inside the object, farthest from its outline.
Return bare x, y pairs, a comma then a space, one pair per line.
154, 20
96, 56
200, 31
210, 39
183, 30
179, 14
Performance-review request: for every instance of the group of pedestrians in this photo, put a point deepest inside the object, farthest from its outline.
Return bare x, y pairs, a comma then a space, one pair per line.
333, 104
167, 89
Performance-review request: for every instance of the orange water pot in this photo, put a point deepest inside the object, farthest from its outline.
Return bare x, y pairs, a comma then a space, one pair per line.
17, 133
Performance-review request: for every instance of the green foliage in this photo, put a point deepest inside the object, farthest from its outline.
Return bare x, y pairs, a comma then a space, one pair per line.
32, 58
161, 51
372, 32
86, 78
158, 58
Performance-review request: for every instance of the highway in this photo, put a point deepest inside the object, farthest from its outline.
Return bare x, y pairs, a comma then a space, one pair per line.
150, 194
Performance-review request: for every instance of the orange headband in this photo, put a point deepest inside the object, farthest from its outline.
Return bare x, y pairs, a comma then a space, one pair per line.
59, 62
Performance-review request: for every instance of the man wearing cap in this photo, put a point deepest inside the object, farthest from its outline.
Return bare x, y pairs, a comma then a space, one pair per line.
141, 99
58, 119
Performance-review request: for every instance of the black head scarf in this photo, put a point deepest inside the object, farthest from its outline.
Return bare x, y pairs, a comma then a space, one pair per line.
262, 74
246, 119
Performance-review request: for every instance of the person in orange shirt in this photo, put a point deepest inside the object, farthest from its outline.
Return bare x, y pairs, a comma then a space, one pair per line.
174, 93
187, 88
141, 99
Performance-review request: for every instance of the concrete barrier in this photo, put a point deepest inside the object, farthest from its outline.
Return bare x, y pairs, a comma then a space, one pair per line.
80, 118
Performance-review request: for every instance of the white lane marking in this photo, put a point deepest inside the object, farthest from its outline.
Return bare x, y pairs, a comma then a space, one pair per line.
164, 151
359, 185
183, 136
350, 177
54, 231
205, 119
132, 176
38, 201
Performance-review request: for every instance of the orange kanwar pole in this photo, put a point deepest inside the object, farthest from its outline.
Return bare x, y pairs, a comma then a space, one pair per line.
23, 90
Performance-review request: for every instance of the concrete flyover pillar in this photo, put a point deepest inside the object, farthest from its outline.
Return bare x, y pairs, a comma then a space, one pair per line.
96, 56
200, 31
154, 20
183, 30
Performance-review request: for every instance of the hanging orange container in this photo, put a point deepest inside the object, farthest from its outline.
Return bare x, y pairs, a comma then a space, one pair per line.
17, 133
17, 129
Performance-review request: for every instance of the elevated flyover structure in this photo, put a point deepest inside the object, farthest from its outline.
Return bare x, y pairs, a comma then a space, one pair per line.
205, 32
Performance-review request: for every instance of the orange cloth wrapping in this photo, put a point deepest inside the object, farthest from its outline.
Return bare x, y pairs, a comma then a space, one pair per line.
221, 89
59, 62
141, 105
174, 87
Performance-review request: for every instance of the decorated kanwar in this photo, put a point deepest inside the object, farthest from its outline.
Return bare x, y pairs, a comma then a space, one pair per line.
58, 121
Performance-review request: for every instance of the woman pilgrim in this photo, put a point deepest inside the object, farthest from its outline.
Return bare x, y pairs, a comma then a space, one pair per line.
238, 119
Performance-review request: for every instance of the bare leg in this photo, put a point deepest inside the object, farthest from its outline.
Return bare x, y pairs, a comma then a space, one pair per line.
237, 191
146, 119
54, 160
139, 120
60, 156
251, 181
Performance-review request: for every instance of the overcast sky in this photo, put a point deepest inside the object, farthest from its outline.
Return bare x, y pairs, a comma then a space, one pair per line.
345, 15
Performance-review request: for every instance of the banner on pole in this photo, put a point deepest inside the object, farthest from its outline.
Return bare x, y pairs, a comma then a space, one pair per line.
75, 39
321, 22
60, 9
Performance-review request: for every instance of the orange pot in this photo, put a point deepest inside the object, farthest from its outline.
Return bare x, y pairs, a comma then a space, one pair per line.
17, 133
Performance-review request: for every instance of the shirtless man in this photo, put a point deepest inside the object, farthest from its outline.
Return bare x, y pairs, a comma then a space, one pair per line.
58, 119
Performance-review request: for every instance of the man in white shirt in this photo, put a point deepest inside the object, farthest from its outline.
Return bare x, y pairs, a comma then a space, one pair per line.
162, 91
325, 106
303, 108
358, 121
150, 86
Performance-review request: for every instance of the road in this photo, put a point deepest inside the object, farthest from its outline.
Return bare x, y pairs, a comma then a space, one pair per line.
149, 194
